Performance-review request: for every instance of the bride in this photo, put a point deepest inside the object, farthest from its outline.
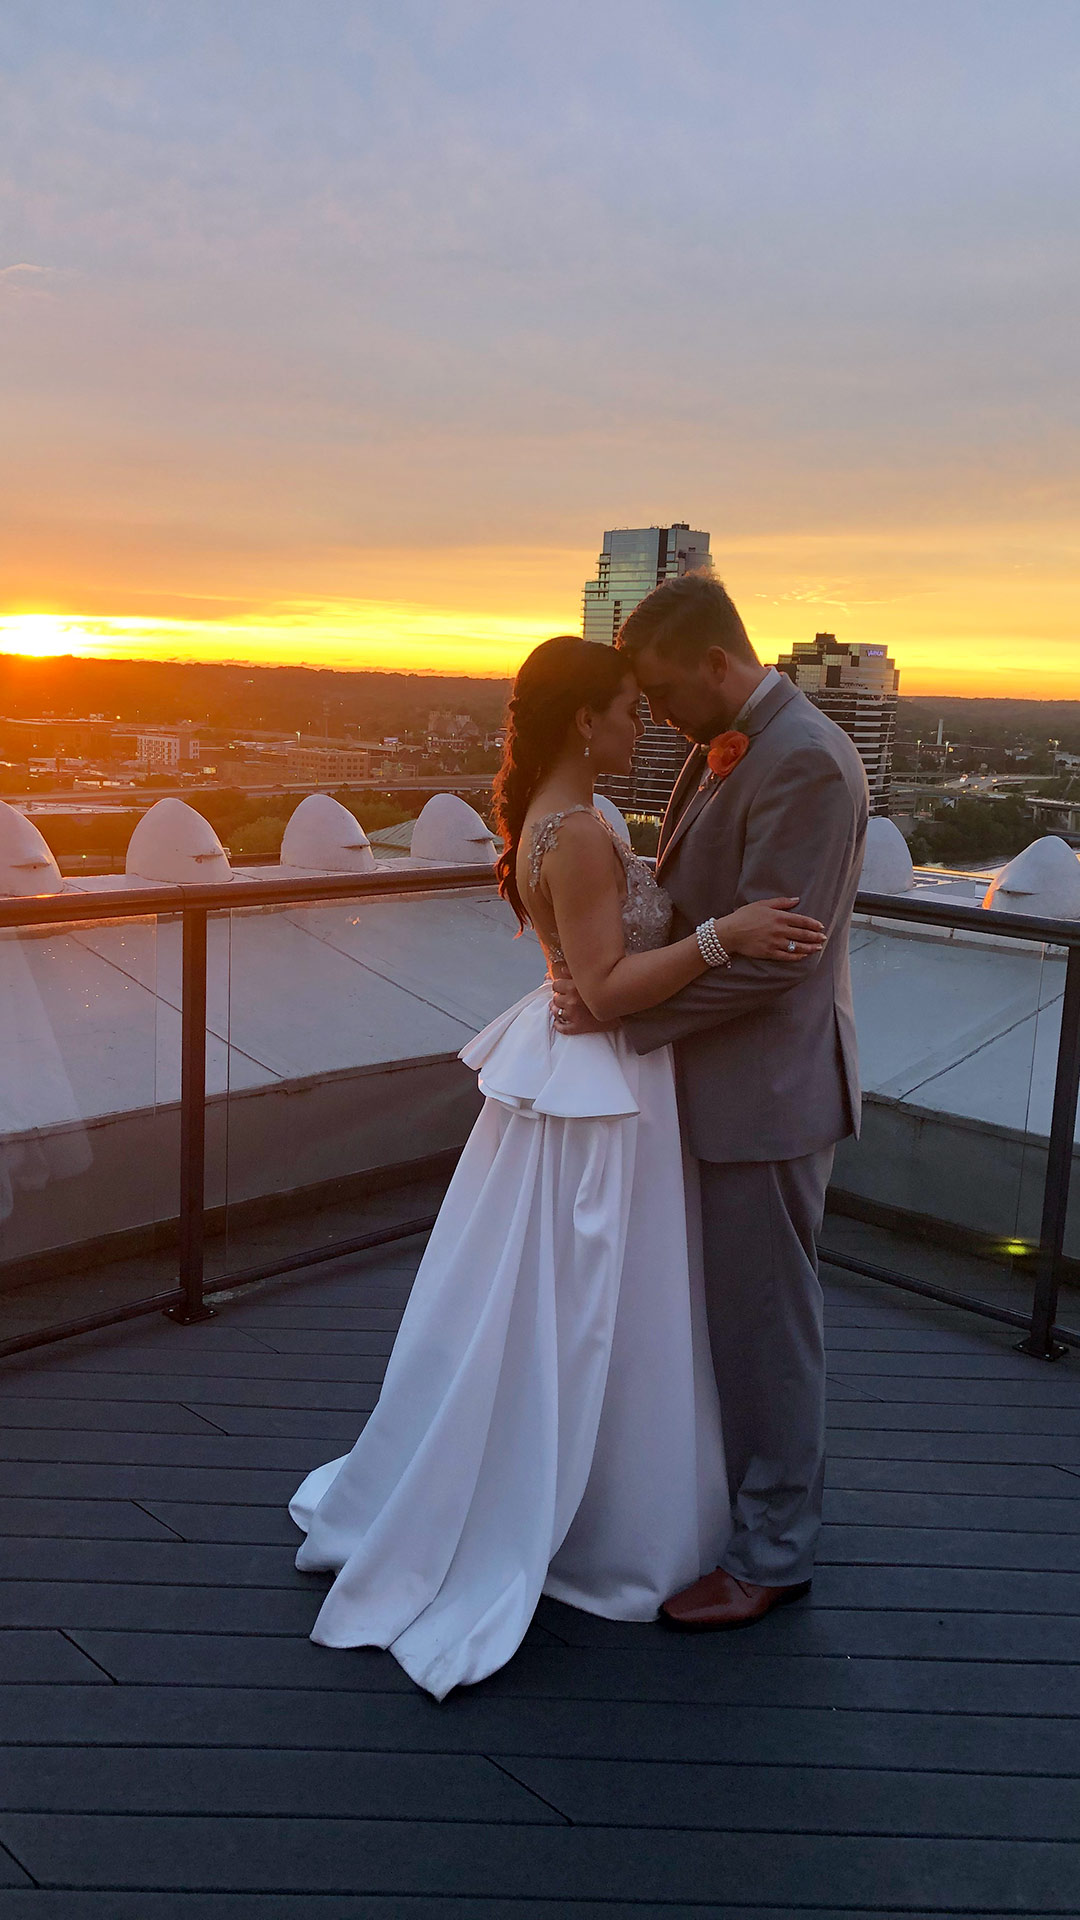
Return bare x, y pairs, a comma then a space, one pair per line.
548, 1421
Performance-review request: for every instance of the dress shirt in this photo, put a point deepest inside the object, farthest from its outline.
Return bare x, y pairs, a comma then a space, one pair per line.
770, 679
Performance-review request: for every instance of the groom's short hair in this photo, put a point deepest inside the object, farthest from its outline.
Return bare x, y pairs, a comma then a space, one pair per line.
683, 618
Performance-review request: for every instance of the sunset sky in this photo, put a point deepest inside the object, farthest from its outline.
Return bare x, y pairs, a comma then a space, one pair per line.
338, 332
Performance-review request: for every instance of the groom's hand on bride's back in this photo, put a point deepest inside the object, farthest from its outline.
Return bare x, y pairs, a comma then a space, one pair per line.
570, 1013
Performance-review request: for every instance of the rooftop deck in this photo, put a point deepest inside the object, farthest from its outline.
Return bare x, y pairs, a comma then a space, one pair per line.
178, 1750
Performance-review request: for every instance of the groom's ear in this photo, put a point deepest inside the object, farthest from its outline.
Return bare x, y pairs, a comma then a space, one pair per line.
717, 663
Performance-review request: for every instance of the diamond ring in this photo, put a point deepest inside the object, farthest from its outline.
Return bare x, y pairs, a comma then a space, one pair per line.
792, 946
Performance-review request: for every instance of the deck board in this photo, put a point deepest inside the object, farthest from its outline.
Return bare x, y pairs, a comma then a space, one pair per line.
907, 1742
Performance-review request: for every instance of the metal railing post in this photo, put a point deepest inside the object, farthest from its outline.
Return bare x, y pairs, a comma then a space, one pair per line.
1040, 1342
191, 1304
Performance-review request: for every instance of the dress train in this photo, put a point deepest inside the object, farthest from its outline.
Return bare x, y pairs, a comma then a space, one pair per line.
548, 1421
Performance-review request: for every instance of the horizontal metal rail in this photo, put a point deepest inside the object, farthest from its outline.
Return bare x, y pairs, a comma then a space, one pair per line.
922, 910
1045, 1340
123, 903
132, 903
946, 1296
172, 1302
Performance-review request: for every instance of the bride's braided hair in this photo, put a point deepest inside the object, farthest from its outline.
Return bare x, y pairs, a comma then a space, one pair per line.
559, 677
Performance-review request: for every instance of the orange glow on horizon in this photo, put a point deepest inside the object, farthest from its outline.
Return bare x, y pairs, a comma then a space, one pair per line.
405, 640
393, 639
965, 611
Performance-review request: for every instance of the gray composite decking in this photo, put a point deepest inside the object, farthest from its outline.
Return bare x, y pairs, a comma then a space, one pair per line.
176, 1748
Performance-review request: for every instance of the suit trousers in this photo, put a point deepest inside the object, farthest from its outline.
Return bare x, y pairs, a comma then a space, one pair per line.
760, 1220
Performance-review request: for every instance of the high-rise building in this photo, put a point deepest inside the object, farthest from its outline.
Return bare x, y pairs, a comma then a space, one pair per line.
857, 687
633, 561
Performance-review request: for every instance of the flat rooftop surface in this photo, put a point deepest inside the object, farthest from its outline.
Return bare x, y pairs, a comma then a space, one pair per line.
904, 1742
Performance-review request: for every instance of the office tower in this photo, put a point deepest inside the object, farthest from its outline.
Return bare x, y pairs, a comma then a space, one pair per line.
857, 687
634, 560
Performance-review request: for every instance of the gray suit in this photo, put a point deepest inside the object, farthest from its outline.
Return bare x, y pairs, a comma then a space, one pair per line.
768, 1083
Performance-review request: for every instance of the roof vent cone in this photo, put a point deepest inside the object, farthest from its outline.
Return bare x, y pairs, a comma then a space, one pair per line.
449, 830
612, 815
887, 865
324, 835
175, 844
26, 863
1043, 880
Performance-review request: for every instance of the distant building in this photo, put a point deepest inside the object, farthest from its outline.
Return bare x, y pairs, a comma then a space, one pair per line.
632, 562
325, 761
162, 748
47, 735
857, 686
323, 764
456, 731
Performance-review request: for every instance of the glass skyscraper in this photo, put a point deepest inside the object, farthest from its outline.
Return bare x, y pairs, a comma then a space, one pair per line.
632, 562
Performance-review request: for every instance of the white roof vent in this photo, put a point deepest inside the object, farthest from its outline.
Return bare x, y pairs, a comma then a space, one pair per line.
1043, 880
450, 830
26, 864
325, 836
886, 866
612, 815
173, 843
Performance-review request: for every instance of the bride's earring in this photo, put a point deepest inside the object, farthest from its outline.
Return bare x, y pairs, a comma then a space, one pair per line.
586, 750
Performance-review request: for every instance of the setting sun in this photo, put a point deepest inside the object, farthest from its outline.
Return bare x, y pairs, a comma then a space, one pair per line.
44, 636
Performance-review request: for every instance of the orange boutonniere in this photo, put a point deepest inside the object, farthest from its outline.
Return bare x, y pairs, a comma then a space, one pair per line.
725, 752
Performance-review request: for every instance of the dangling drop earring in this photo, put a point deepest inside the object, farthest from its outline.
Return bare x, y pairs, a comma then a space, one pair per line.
586, 750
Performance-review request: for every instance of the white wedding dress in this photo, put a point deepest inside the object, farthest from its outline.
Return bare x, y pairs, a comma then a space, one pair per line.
548, 1422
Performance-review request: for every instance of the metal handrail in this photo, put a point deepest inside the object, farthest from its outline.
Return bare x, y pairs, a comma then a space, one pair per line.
222, 896
194, 904
943, 913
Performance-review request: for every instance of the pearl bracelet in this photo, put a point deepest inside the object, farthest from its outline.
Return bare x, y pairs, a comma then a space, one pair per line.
713, 954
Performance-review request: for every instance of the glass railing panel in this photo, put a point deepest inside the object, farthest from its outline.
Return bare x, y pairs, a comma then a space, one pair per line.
89, 1118
337, 1103
958, 1037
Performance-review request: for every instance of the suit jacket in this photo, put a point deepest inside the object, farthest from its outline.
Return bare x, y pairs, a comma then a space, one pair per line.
765, 1051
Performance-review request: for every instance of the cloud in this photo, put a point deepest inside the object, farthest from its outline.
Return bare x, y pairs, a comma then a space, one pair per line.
21, 275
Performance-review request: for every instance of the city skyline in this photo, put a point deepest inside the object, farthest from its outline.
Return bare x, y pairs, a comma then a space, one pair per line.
340, 338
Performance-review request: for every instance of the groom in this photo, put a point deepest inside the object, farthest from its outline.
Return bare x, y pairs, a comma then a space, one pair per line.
765, 1056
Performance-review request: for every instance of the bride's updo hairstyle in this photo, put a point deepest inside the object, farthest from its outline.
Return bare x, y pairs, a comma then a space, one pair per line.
559, 677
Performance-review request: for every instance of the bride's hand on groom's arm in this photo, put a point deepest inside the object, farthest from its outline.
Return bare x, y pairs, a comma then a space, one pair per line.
771, 930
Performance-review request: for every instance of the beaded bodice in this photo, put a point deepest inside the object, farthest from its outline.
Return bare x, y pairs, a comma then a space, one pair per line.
646, 909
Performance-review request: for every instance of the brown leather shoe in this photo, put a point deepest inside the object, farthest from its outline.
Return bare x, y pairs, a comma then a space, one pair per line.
717, 1602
